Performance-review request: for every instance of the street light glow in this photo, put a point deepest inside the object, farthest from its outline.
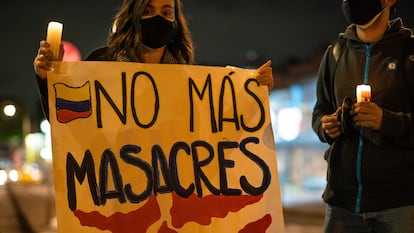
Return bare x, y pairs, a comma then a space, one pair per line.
9, 110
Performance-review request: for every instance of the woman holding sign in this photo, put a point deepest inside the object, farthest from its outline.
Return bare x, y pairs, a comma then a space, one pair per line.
155, 31
148, 31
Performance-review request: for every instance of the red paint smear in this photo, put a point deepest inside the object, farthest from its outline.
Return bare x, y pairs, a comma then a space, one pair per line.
164, 229
202, 210
66, 115
137, 221
260, 226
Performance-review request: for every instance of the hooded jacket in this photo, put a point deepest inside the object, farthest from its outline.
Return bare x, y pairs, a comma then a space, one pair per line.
369, 170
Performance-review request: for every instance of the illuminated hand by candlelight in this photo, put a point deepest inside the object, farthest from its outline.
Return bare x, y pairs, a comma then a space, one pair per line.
43, 60
367, 114
50, 50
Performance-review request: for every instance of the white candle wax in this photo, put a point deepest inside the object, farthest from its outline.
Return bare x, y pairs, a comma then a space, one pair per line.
54, 36
363, 93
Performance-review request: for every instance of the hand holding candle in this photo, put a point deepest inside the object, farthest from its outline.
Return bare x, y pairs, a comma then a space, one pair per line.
54, 36
363, 93
367, 115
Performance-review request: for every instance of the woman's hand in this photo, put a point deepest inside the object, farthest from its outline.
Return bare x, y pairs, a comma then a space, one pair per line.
265, 75
43, 60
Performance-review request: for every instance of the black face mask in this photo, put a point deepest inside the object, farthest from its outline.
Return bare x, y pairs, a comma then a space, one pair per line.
361, 12
157, 31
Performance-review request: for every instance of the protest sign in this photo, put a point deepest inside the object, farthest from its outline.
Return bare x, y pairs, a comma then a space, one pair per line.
162, 148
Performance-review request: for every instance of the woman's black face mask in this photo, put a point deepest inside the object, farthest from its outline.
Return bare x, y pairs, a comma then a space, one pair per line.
157, 31
361, 12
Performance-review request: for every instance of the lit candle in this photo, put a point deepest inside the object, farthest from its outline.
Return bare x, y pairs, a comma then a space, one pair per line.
54, 36
363, 93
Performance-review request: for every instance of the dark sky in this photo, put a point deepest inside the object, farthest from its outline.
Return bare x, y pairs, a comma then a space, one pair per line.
224, 32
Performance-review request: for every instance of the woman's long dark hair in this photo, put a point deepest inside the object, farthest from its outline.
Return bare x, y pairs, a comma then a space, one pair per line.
127, 36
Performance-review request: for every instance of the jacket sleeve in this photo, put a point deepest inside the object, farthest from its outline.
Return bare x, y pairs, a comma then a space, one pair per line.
43, 93
325, 102
399, 126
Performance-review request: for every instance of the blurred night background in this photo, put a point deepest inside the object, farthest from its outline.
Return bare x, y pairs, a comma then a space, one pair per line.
245, 33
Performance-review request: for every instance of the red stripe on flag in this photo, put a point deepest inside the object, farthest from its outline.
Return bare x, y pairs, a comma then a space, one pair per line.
66, 115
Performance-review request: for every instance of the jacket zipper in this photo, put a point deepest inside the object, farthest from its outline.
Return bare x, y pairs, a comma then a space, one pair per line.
368, 48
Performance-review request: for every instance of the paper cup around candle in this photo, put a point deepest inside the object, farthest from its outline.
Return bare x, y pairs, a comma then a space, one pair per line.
363, 93
54, 36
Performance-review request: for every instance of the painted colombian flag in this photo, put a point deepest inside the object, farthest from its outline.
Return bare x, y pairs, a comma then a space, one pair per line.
72, 102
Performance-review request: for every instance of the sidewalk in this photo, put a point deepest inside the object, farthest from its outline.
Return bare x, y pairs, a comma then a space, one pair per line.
304, 218
36, 205
303, 209
10, 221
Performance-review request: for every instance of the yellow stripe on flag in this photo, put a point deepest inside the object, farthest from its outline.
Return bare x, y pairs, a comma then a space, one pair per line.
74, 94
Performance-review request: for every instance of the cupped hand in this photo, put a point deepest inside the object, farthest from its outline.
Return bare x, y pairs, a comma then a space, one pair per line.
331, 124
367, 114
43, 60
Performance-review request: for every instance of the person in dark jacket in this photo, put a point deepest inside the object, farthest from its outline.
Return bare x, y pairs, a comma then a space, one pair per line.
370, 177
147, 31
